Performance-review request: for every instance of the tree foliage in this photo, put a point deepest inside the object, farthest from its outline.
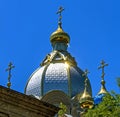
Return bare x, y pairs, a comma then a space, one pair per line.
109, 107
63, 110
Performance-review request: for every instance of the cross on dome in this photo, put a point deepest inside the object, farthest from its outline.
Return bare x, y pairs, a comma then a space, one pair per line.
103, 65
103, 89
10, 67
86, 72
60, 10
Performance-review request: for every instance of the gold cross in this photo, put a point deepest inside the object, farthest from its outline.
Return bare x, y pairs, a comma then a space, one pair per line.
86, 72
10, 67
60, 10
103, 65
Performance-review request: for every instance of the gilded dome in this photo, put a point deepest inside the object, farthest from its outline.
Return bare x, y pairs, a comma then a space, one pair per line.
98, 98
86, 100
60, 36
103, 91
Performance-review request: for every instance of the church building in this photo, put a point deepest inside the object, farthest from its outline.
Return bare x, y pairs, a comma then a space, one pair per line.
57, 81
60, 80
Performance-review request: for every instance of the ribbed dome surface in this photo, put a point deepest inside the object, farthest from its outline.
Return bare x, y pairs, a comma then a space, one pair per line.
58, 72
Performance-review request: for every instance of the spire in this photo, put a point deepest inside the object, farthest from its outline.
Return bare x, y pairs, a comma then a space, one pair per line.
86, 100
10, 67
59, 35
103, 89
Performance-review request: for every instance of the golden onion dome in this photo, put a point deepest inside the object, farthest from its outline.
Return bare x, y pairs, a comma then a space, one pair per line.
103, 89
59, 35
86, 100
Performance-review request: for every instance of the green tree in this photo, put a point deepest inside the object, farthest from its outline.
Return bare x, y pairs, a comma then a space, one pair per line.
109, 107
63, 110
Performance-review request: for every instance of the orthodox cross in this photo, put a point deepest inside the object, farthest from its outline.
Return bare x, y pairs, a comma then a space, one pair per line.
86, 72
10, 67
103, 65
60, 10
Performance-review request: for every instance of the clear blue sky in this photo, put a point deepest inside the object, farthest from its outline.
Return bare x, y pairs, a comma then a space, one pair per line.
93, 25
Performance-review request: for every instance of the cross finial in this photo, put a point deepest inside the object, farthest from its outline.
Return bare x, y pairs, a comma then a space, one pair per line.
103, 65
86, 72
60, 10
10, 67
103, 89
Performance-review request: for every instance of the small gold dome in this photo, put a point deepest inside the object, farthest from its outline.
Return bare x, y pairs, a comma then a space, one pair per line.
59, 36
103, 89
86, 100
